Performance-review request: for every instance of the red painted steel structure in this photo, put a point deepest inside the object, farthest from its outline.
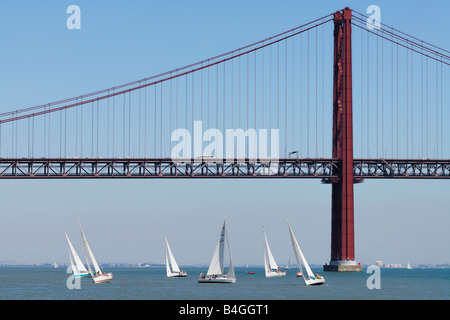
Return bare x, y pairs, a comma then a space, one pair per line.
342, 224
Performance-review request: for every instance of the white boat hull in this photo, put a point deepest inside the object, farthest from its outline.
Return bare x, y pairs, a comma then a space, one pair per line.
107, 277
217, 280
177, 274
271, 274
315, 282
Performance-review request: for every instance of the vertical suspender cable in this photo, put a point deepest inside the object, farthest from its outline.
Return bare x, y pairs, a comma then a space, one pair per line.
437, 110
278, 85
98, 101
412, 104
293, 95
421, 105
316, 58
377, 103
224, 100
201, 94
161, 122
217, 95
140, 118
397, 106
193, 97
65, 133
323, 91
92, 129
247, 106
60, 134
407, 103
49, 134
255, 87
392, 99
368, 96
362, 92
442, 118
239, 93
262, 89
307, 103
426, 101
301, 97
123, 126
383, 153
154, 126
113, 131
81, 127
107, 130
285, 97
129, 123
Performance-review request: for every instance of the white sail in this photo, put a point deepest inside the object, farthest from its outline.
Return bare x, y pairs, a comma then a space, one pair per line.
88, 252
171, 264
215, 272
269, 260
230, 273
79, 266
168, 271
216, 265
301, 260
288, 266
266, 263
74, 268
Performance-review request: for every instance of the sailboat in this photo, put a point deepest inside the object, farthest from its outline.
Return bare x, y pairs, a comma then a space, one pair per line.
271, 267
309, 278
55, 265
408, 266
216, 272
172, 268
79, 270
288, 266
97, 275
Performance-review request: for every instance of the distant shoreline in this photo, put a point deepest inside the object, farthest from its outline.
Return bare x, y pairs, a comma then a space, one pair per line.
161, 265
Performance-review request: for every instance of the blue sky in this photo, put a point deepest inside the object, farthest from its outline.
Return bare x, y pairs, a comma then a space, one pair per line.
43, 61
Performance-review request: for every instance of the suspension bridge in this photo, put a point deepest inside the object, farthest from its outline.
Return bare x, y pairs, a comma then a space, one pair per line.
347, 103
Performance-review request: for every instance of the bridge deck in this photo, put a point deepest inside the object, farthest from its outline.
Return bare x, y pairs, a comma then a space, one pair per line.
325, 169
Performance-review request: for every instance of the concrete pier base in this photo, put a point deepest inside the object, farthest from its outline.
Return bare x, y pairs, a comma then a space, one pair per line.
343, 266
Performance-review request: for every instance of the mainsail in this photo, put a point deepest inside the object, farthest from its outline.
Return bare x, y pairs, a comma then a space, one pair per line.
299, 254
216, 272
79, 266
269, 260
170, 261
90, 259
216, 265
230, 273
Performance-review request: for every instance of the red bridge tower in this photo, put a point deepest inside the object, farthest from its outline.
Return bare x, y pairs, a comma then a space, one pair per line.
342, 224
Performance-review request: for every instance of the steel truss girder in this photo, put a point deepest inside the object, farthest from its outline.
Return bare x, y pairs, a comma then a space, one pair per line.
325, 169
401, 168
